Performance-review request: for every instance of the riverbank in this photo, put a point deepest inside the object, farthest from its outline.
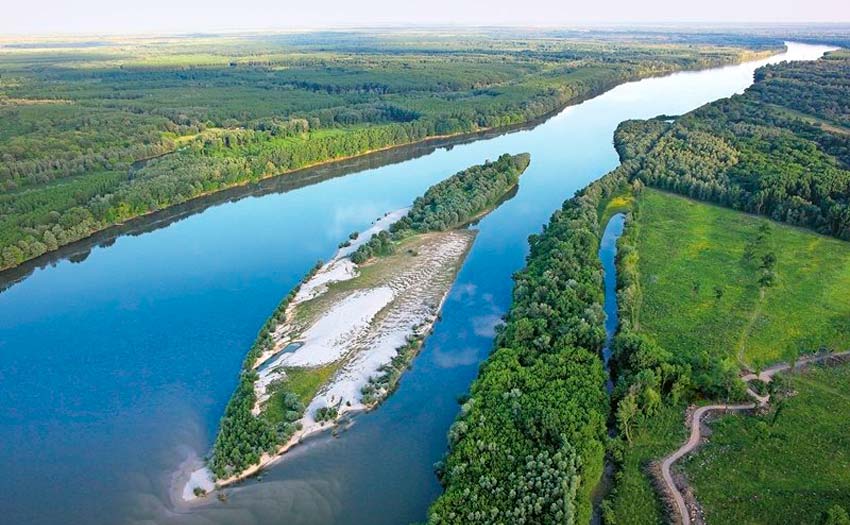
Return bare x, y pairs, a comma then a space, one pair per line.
575, 92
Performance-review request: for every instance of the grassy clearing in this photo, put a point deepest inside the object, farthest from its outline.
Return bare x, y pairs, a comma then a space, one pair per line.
701, 292
811, 119
379, 270
633, 499
755, 470
618, 203
303, 382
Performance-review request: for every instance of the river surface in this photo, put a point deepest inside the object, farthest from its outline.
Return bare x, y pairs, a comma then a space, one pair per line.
115, 369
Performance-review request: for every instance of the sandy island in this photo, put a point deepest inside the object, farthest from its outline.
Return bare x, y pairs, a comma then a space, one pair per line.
352, 319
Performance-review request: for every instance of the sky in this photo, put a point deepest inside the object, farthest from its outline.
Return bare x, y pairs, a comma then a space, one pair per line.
40, 17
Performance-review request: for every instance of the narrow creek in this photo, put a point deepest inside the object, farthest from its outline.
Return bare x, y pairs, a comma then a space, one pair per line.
608, 258
116, 364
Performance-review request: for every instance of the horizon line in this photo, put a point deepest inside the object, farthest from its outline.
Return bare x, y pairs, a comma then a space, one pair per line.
581, 25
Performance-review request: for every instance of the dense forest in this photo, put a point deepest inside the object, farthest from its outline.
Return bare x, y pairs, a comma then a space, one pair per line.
95, 135
782, 149
529, 442
243, 437
451, 203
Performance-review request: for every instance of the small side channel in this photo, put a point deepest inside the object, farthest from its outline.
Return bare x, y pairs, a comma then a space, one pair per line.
271, 361
608, 258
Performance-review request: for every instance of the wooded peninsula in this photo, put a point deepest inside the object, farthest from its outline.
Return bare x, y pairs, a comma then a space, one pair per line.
706, 296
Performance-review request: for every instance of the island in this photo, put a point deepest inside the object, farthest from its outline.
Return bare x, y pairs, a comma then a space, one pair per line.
339, 342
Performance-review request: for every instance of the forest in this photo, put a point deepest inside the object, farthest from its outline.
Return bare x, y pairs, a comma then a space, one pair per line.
451, 203
94, 136
782, 149
529, 442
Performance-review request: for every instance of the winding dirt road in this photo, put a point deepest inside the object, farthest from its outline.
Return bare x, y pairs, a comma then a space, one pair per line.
692, 443
682, 514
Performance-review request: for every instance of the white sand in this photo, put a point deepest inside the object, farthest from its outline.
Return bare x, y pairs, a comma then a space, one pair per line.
330, 338
364, 329
339, 268
419, 293
360, 330
378, 226
200, 478
335, 271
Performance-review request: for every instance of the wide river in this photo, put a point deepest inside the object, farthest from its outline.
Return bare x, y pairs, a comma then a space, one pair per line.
115, 367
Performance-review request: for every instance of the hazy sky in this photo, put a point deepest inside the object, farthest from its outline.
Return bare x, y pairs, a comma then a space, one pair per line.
114, 16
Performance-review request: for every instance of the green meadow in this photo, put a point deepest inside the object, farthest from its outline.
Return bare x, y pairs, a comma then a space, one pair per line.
789, 467
633, 499
700, 268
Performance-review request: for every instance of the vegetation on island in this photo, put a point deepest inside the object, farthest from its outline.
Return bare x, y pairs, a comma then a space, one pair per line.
450, 203
243, 437
93, 136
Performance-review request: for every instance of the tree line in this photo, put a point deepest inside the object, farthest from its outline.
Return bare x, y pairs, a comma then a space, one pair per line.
777, 150
450, 203
92, 141
528, 444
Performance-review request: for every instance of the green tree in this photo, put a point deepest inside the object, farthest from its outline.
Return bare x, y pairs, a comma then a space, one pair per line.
627, 413
836, 515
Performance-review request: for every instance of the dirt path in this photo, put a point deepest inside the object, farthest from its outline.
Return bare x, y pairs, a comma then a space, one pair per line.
692, 443
682, 514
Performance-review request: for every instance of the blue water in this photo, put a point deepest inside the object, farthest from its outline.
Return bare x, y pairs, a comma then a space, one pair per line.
116, 369
608, 258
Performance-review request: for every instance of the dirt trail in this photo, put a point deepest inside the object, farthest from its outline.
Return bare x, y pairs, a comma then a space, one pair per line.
682, 514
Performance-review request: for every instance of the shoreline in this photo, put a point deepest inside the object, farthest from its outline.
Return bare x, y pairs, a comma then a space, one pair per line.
111, 232
413, 324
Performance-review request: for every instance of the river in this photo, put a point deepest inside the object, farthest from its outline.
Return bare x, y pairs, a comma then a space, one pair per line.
115, 367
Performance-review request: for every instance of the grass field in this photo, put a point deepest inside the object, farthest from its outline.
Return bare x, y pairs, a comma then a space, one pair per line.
701, 291
634, 500
303, 382
618, 203
756, 471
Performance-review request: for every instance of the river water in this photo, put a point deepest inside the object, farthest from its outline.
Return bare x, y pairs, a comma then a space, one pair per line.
115, 367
